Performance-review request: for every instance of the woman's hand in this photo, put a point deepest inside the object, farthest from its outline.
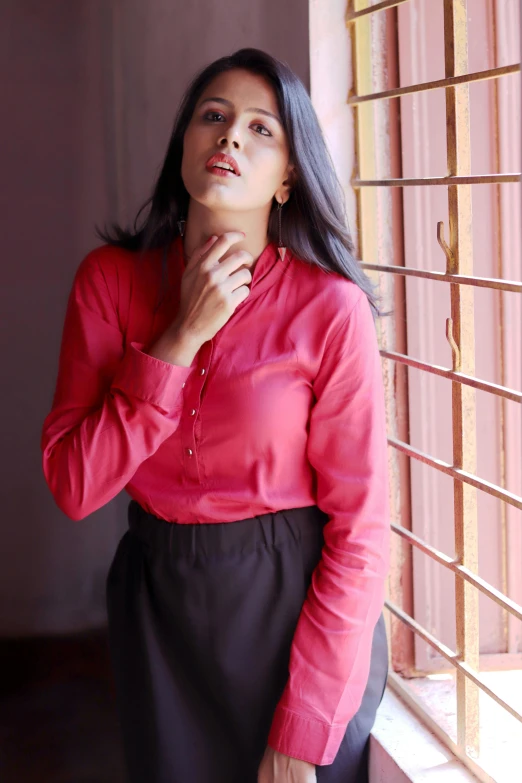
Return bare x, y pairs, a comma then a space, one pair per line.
275, 767
211, 289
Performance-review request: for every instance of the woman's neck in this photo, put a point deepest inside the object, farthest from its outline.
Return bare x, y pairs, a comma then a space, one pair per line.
203, 223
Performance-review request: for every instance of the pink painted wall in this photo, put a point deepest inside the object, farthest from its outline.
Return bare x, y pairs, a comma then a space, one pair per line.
330, 54
88, 92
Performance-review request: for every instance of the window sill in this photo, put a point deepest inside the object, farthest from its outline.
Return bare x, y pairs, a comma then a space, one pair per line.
403, 749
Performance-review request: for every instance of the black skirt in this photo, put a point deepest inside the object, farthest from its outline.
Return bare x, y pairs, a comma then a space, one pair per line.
201, 621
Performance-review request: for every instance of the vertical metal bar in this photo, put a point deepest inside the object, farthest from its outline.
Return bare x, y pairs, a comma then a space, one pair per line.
501, 402
402, 639
374, 49
364, 136
463, 397
365, 166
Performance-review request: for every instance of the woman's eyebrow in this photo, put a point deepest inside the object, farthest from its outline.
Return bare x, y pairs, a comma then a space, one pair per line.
252, 109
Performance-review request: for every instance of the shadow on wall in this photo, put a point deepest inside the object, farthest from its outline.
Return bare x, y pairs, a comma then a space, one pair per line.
90, 95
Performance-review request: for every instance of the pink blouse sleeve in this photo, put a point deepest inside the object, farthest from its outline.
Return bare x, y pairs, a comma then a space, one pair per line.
330, 654
113, 407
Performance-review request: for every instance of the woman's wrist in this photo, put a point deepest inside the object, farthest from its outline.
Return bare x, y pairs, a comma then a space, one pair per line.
175, 346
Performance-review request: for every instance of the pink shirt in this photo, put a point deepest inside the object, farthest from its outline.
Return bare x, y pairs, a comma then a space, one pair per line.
283, 408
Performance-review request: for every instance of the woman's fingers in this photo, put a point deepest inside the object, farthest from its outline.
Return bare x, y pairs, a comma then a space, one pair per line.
199, 252
235, 263
218, 249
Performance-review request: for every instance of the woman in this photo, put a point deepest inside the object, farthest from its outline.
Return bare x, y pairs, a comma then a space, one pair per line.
220, 363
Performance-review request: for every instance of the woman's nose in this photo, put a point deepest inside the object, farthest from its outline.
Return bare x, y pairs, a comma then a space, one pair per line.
231, 139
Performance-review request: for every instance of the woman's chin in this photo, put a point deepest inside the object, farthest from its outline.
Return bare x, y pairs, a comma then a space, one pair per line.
217, 199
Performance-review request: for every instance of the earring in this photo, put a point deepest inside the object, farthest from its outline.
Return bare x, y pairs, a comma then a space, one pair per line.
181, 226
282, 250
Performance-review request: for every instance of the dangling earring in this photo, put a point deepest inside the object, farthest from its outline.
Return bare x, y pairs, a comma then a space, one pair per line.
282, 250
181, 226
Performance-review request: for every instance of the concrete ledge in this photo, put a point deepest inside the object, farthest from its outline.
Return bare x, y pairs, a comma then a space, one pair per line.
403, 749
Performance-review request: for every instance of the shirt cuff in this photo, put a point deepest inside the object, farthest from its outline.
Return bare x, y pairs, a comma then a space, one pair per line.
150, 379
305, 738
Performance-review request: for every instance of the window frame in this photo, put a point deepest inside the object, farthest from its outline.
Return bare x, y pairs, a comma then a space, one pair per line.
370, 137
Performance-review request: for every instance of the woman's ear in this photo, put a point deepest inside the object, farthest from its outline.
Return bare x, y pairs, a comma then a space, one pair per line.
282, 194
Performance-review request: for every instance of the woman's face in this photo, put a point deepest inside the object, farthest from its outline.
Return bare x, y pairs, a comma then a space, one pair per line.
236, 122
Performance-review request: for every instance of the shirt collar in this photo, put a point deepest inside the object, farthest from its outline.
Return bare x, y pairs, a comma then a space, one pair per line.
268, 269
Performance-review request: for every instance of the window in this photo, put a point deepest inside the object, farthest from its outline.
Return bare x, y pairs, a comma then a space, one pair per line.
437, 120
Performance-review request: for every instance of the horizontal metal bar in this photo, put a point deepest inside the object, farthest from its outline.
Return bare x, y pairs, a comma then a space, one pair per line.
457, 473
479, 282
493, 73
352, 16
413, 625
450, 656
396, 684
496, 595
446, 561
492, 388
435, 554
470, 179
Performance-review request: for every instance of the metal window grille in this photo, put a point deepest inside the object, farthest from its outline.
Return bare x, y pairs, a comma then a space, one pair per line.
460, 334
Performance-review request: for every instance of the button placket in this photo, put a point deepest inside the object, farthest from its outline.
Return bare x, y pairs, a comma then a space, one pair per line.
190, 409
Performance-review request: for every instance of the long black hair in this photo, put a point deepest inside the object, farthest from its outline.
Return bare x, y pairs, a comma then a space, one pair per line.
314, 226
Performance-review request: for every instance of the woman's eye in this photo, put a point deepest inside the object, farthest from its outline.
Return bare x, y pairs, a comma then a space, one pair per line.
214, 116
261, 129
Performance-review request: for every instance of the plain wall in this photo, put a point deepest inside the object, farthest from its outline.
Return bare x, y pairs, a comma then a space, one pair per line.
89, 91
53, 189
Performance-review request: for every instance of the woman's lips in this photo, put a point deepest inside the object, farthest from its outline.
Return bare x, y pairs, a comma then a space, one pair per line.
221, 172
228, 160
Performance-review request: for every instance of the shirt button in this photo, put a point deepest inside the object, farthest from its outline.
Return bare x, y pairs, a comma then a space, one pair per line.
193, 412
202, 372
189, 452
183, 386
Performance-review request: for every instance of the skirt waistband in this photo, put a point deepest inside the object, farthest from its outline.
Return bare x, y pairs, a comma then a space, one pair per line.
217, 539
